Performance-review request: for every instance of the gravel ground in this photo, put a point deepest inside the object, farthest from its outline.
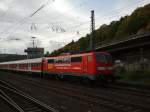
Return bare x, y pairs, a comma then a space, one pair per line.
4, 107
60, 102
63, 102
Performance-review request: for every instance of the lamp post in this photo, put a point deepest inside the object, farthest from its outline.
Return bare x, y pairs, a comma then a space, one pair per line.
33, 41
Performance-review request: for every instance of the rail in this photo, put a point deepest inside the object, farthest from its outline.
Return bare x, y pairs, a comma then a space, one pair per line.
117, 105
21, 101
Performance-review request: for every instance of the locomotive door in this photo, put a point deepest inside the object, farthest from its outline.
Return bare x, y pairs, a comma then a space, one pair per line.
85, 64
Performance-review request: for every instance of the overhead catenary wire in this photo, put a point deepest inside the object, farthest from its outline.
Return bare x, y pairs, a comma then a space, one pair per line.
70, 28
41, 7
22, 21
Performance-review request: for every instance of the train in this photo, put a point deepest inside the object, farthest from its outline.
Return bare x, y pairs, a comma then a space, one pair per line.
93, 66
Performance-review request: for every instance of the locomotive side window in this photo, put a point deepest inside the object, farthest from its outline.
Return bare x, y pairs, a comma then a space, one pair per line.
76, 59
51, 61
59, 60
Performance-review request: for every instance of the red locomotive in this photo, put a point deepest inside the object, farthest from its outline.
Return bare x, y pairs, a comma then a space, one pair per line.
92, 65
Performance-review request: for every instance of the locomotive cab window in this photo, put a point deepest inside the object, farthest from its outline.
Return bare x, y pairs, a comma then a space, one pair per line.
76, 59
105, 58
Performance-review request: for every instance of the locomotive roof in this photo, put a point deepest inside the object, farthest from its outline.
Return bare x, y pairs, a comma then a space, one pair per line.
74, 55
70, 55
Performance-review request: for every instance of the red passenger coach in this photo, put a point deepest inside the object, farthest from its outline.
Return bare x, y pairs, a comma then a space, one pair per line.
93, 66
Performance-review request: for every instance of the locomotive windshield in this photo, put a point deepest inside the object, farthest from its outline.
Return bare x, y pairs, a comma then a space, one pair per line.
104, 58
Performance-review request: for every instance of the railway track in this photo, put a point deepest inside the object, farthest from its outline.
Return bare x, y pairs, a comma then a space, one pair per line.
92, 99
130, 90
113, 88
20, 101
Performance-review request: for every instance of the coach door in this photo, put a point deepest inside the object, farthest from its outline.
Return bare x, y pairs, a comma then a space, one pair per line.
84, 60
29, 66
43, 64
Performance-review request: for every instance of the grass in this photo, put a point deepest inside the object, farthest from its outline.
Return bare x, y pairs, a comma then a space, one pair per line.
142, 77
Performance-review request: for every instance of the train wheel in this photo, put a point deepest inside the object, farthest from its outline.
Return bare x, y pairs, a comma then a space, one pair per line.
57, 77
61, 77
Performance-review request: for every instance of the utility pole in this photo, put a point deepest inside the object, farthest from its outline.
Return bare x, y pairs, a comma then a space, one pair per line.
92, 30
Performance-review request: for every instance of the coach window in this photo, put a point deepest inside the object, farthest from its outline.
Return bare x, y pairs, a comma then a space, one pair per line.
51, 61
67, 60
39, 64
76, 59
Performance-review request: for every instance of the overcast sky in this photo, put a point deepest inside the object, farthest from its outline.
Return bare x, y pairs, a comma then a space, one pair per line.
55, 22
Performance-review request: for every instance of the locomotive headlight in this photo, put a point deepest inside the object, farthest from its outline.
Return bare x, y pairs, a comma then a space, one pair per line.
110, 68
101, 68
